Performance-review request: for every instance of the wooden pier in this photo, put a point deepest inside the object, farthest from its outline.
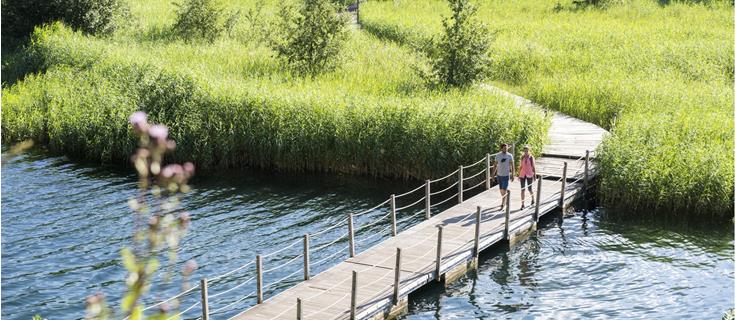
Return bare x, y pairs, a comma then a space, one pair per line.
374, 283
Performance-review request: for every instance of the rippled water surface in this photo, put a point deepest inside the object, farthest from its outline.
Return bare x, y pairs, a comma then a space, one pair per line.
63, 225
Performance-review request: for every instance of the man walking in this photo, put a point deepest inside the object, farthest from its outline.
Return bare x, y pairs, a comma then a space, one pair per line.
503, 171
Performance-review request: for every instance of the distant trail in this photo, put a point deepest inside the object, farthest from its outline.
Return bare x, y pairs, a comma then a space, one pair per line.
569, 137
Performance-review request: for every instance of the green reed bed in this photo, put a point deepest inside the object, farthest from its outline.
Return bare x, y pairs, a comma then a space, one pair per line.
230, 104
658, 76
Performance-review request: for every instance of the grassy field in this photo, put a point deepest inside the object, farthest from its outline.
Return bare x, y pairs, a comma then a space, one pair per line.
231, 104
659, 75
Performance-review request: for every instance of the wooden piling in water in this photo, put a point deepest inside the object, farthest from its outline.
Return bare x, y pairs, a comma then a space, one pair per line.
299, 316
439, 253
487, 172
478, 219
393, 214
259, 275
538, 200
306, 256
205, 299
586, 169
351, 231
428, 199
563, 185
353, 296
397, 278
460, 185
506, 234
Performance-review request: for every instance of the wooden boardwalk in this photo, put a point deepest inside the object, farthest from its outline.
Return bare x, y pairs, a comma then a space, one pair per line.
372, 273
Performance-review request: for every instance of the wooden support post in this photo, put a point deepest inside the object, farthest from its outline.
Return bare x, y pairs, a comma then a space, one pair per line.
351, 231
478, 219
259, 276
488, 179
353, 297
439, 253
513, 152
397, 279
586, 169
205, 299
538, 200
357, 12
460, 185
306, 256
506, 234
563, 185
299, 315
393, 214
428, 199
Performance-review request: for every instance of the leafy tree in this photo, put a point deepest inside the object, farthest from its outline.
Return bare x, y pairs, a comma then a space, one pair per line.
202, 19
461, 55
310, 39
19, 17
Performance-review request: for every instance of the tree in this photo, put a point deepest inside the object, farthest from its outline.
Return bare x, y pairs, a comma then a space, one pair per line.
461, 56
310, 39
90, 16
202, 19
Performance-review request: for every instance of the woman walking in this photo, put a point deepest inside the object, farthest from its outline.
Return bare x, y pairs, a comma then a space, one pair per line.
526, 175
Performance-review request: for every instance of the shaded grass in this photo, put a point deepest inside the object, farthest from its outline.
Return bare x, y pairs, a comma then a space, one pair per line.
659, 77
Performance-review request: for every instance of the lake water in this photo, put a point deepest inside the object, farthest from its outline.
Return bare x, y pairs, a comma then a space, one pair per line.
63, 225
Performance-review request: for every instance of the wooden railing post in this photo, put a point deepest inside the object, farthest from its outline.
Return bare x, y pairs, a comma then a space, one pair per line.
460, 185
259, 275
513, 152
506, 233
205, 299
393, 214
478, 219
428, 199
586, 169
397, 279
299, 315
487, 172
306, 256
351, 231
538, 200
563, 185
439, 253
353, 297
357, 12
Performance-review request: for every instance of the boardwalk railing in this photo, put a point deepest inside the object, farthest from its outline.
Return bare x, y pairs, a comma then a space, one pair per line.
353, 232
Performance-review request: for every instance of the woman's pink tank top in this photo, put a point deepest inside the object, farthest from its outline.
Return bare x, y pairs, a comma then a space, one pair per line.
526, 168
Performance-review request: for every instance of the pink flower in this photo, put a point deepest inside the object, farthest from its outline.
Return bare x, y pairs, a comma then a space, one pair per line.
189, 168
158, 132
172, 170
139, 120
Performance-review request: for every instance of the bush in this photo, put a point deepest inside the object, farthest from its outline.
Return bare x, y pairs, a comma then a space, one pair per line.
202, 19
91, 16
309, 41
461, 56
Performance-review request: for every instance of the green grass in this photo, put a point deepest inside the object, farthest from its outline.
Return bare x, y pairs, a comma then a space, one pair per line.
231, 104
658, 76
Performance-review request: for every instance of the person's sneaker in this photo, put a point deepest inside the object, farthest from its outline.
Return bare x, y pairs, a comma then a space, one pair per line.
532, 202
523, 206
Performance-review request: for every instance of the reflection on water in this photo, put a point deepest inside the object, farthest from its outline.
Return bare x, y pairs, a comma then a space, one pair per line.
587, 266
63, 225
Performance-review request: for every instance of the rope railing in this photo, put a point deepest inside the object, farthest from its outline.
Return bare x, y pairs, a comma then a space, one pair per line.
179, 295
453, 196
474, 176
445, 189
371, 209
176, 316
445, 177
341, 223
412, 204
233, 288
243, 298
409, 192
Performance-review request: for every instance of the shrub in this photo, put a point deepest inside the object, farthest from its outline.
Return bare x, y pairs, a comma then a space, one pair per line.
461, 56
202, 19
310, 39
91, 16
